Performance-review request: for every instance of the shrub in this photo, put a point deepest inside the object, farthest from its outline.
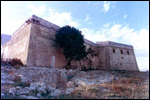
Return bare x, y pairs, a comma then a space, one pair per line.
16, 62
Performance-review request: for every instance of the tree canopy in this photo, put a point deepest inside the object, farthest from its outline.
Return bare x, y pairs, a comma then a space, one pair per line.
71, 41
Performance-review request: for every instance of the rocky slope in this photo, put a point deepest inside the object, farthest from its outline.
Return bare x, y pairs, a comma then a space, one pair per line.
39, 83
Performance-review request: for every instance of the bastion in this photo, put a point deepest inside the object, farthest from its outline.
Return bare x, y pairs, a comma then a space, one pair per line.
34, 44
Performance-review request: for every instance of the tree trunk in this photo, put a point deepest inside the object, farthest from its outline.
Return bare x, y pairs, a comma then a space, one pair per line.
68, 64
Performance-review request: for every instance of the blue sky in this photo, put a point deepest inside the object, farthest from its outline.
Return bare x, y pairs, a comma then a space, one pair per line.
119, 21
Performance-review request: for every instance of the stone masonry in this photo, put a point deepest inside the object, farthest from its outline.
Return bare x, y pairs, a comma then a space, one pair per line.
34, 44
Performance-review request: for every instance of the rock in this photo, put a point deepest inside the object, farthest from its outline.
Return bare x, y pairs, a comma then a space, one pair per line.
34, 85
69, 90
56, 92
22, 91
18, 87
41, 89
71, 73
12, 91
70, 84
50, 88
39, 95
29, 97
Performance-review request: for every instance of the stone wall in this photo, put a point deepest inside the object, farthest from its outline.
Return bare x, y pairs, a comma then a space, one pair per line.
124, 60
17, 47
42, 48
116, 56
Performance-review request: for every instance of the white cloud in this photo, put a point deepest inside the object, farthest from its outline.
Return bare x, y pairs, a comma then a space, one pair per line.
61, 19
87, 18
88, 2
124, 34
10, 24
125, 16
106, 6
40, 10
106, 25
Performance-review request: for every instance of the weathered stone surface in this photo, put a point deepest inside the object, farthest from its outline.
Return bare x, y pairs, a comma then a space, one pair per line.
55, 77
70, 84
56, 92
35, 85
13, 91
69, 90
22, 91
29, 97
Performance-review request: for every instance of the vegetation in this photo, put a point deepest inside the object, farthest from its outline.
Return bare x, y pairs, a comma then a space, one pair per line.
71, 41
16, 62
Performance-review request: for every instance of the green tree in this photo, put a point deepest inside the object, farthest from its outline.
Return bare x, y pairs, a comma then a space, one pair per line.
71, 41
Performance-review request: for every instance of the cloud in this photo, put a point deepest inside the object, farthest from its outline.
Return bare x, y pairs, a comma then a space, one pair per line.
106, 25
10, 24
124, 34
37, 10
88, 2
125, 16
87, 18
106, 6
61, 19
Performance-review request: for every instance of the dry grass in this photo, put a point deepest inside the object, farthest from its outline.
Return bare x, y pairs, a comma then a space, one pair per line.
131, 88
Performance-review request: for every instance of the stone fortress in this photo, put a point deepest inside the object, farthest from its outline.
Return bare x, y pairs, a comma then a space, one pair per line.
34, 44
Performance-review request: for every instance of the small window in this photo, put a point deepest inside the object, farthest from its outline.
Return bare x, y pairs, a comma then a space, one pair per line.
121, 51
114, 50
128, 52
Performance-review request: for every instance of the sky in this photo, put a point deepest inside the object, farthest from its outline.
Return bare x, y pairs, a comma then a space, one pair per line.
124, 22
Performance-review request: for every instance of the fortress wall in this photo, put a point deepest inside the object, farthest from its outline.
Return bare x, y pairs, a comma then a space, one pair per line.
4, 51
17, 47
42, 48
103, 58
122, 61
116, 61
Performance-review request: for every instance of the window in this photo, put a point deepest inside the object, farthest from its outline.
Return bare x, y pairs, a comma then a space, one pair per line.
128, 52
113, 50
121, 51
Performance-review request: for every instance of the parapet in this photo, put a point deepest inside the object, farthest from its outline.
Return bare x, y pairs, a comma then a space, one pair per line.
38, 20
113, 44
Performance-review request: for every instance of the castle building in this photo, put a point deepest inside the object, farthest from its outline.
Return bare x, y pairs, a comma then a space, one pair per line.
34, 44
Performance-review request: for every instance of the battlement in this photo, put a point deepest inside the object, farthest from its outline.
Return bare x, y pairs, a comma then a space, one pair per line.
113, 44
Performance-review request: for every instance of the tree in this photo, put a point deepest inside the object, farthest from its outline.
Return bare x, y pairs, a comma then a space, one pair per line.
71, 41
